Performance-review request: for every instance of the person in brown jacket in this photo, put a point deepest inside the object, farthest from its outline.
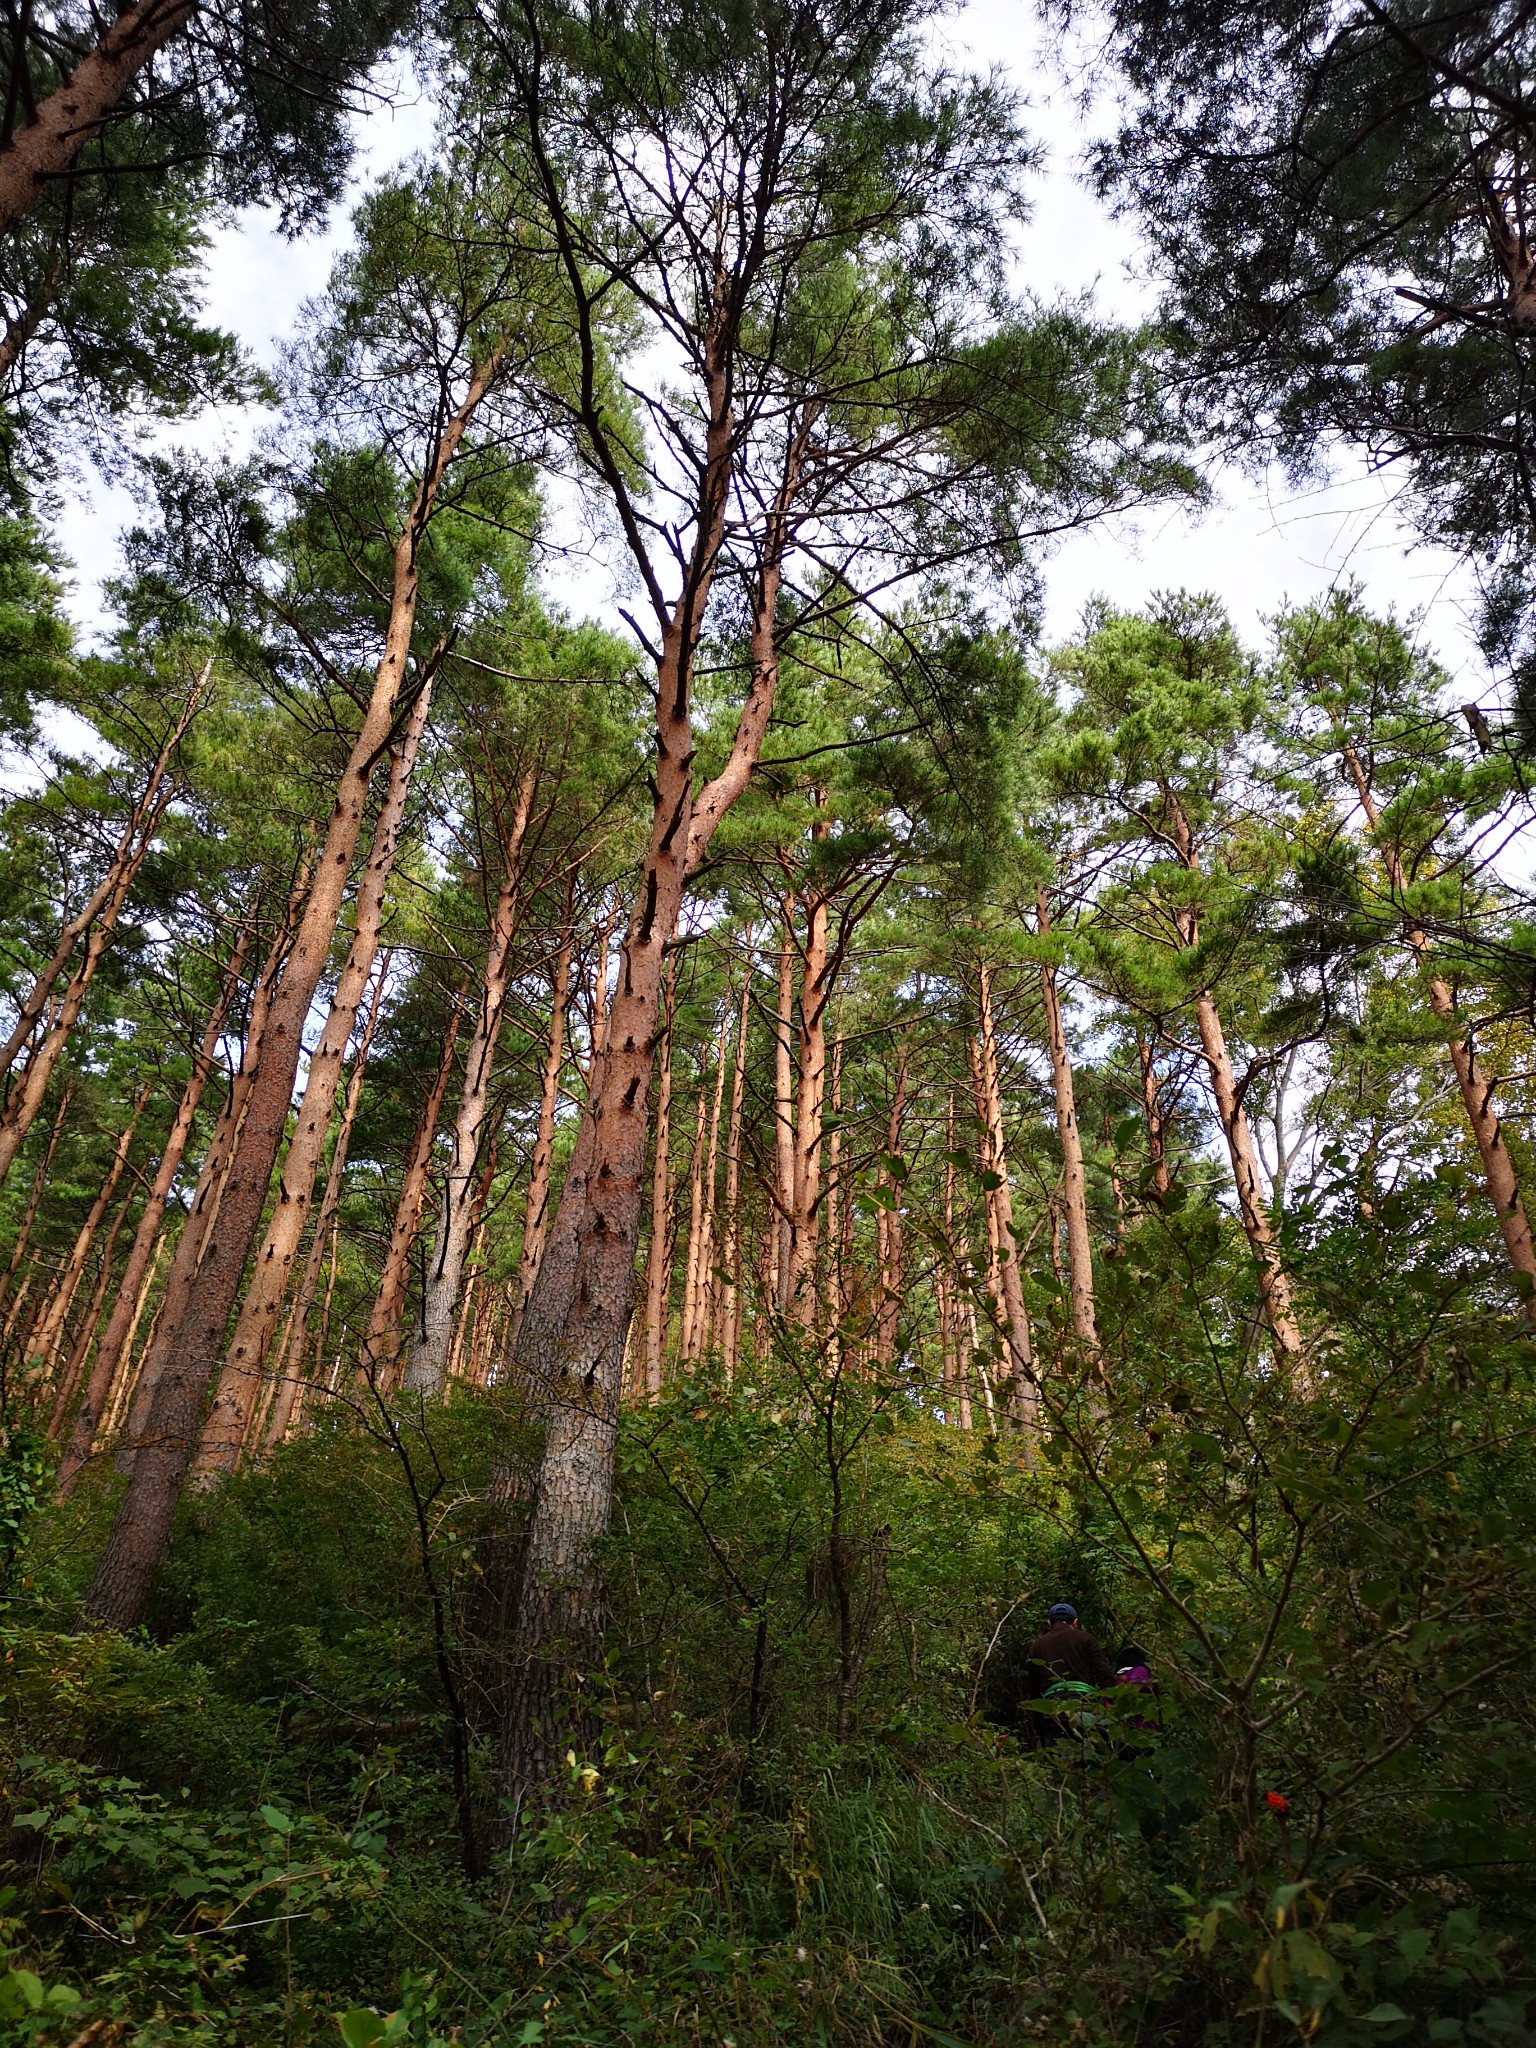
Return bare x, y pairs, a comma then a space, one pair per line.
1066, 1664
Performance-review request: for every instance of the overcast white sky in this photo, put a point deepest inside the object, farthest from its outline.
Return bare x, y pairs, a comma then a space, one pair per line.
1259, 545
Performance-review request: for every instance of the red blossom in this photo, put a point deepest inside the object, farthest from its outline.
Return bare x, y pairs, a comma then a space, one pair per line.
1278, 1803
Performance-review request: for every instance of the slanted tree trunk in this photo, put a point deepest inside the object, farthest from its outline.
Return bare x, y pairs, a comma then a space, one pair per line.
1019, 1339
658, 1257
65, 121
96, 922
241, 1375
126, 1309
120, 1590
48, 1331
122, 1389
382, 1344
541, 1166
729, 1334
209, 1192
428, 1367
289, 1379
1074, 1181
1499, 1174
90, 1323
24, 1230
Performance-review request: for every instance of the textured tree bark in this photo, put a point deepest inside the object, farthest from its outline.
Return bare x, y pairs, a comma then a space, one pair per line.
48, 1331
122, 1387
1024, 1384
125, 1310
541, 1166
428, 1366
98, 918
289, 1389
65, 121
658, 1257
889, 1234
1274, 1281
1074, 1187
1157, 1122
241, 1380
120, 1590
1476, 1090
90, 1322
382, 1345
729, 1333
209, 1192
699, 1299
695, 1224
1275, 1291
784, 1110
24, 1230
572, 1341
810, 1103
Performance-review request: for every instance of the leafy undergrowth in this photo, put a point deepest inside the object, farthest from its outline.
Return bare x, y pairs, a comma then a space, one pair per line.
238, 1827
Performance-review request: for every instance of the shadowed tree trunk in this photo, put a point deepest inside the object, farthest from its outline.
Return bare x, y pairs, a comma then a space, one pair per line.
572, 1341
891, 1251
1157, 1122
1275, 1291
241, 1376
731, 1292
89, 1323
211, 1179
115, 1340
48, 1331
658, 1257
698, 1296
428, 1366
784, 1110
96, 922
382, 1344
121, 1587
1499, 1174
810, 1098
1074, 1180
541, 1166
289, 1380
1018, 1337
24, 1230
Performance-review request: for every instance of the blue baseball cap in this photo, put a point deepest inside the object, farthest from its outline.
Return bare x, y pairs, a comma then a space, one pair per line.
1062, 1611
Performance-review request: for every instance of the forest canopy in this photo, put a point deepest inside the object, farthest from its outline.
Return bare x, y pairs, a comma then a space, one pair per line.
788, 1307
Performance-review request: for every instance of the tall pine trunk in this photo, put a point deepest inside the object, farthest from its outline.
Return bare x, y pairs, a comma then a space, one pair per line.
1499, 1174
658, 1257
729, 1335
541, 1166
47, 1332
241, 1376
1074, 1180
382, 1344
120, 1590
784, 1111
428, 1367
1018, 1338
125, 1309
96, 922
289, 1381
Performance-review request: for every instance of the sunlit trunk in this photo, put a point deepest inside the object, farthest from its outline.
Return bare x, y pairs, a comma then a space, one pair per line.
541, 1166
382, 1345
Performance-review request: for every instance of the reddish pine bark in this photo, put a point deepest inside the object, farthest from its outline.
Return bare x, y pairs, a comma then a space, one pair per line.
115, 1339
134, 1550
65, 121
241, 1375
658, 1258
428, 1366
1499, 1174
1074, 1179
1018, 1337
96, 922
540, 1168
48, 1331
